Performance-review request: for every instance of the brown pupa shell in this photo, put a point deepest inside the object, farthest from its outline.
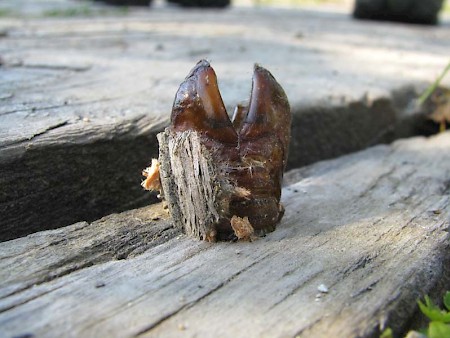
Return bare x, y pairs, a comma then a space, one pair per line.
253, 148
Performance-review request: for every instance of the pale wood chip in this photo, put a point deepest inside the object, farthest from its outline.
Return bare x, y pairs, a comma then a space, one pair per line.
242, 228
151, 173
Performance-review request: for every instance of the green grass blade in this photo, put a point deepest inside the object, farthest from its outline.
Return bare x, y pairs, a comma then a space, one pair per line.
432, 88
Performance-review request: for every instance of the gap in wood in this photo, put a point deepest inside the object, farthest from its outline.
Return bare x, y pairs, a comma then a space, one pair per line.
54, 186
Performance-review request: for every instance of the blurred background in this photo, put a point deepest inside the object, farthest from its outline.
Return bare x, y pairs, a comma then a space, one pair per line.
387, 9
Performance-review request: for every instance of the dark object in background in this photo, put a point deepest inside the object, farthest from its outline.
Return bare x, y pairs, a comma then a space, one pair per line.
202, 3
143, 3
409, 11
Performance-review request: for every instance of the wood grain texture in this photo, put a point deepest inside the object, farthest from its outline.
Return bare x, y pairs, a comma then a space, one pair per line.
82, 98
191, 183
372, 227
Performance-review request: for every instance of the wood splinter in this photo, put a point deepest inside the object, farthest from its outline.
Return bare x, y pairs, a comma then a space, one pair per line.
221, 178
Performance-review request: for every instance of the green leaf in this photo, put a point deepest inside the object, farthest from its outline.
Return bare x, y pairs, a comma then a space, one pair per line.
387, 333
433, 312
447, 300
438, 330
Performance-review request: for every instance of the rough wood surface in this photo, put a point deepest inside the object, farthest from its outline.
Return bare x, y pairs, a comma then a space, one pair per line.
373, 227
190, 182
82, 96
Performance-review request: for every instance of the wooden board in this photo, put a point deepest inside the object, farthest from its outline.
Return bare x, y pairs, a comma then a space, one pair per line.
373, 227
82, 96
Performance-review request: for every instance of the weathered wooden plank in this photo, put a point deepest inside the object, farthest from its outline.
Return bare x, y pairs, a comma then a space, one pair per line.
81, 245
372, 227
70, 84
59, 72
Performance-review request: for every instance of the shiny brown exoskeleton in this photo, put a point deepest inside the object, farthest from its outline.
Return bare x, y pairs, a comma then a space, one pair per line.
253, 146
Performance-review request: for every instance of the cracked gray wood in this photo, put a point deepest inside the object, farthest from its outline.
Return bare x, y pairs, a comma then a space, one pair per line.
373, 227
82, 98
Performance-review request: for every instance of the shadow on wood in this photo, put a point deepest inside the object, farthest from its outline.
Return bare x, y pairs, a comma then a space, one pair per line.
371, 226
